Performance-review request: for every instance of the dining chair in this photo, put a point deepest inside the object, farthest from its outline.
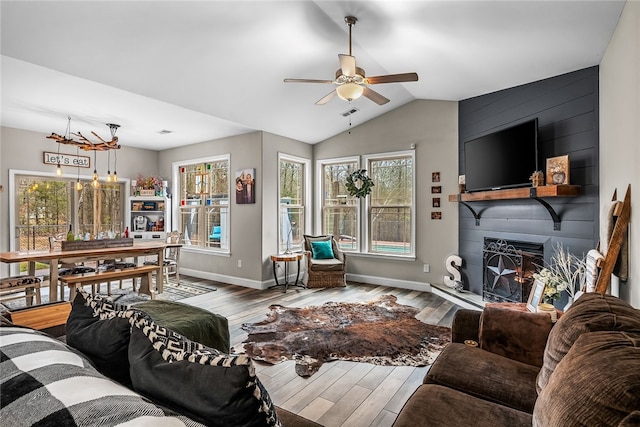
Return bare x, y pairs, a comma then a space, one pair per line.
171, 266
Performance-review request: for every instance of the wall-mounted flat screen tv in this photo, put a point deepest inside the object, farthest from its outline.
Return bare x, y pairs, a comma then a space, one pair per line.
503, 159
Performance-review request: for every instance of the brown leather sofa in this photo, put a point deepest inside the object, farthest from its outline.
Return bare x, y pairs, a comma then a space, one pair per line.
582, 371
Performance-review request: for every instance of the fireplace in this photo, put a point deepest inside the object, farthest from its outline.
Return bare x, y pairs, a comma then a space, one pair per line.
508, 267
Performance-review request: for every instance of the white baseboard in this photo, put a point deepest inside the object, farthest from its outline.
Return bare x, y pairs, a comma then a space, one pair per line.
394, 283
372, 280
232, 280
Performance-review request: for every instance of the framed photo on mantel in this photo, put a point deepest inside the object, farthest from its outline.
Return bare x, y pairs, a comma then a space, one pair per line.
558, 170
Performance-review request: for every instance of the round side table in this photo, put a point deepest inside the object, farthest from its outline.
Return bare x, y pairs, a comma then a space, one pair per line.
286, 259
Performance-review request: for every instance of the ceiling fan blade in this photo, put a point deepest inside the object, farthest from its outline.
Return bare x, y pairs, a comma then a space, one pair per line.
374, 96
392, 78
328, 97
307, 81
348, 65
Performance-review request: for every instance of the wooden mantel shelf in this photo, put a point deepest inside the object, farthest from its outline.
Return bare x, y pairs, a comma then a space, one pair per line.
518, 193
535, 193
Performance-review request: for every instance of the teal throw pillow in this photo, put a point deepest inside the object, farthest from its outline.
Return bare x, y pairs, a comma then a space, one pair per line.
322, 250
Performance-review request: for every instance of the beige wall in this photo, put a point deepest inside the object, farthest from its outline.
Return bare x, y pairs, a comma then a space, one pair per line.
245, 220
620, 131
433, 127
254, 226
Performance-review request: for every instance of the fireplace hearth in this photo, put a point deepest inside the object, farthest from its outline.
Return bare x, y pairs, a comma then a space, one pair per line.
508, 267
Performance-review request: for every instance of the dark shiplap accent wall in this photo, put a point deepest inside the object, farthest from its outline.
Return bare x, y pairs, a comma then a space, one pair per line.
567, 111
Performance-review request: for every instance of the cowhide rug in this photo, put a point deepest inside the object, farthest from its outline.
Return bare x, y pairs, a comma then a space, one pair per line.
381, 332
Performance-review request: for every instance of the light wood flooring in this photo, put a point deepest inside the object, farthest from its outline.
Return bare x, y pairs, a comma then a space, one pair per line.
341, 393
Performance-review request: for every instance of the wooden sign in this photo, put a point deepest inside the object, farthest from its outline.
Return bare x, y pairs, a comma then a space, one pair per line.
49, 158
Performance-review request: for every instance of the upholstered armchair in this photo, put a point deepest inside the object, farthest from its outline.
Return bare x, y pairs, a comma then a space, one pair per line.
326, 263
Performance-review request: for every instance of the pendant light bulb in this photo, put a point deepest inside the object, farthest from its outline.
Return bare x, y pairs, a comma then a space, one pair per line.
95, 183
109, 161
95, 175
78, 185
59, 170
115, 176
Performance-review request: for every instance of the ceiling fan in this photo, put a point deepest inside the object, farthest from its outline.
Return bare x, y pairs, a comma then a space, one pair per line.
351, 81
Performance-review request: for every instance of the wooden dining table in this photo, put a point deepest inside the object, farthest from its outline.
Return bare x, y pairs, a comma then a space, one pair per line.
55, 256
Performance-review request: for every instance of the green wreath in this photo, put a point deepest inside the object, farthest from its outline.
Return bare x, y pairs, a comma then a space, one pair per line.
365, 186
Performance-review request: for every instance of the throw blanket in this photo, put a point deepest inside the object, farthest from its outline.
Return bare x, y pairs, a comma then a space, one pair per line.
45, 382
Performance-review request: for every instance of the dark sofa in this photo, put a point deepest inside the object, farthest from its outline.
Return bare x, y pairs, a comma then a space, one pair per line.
122, 366
524, 371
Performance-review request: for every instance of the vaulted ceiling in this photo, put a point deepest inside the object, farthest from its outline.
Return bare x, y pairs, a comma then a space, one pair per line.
205, 70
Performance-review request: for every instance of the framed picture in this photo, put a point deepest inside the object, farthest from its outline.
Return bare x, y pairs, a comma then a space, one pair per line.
436, 189
535, 296
245, 186
435, 176
436, 215
558, 170
436, 202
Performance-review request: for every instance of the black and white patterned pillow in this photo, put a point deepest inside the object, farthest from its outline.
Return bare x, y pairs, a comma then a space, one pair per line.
205, 384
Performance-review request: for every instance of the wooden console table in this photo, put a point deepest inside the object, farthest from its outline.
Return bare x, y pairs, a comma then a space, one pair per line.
533, 193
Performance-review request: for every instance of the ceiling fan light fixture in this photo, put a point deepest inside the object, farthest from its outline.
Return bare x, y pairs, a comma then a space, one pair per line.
349, 91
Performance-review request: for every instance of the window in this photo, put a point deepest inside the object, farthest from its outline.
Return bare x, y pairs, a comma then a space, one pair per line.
339, 210
46, 206
293, 194
390, 205
388, 216
204, 202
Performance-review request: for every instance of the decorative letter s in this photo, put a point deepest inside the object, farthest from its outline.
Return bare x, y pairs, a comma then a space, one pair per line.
452, 262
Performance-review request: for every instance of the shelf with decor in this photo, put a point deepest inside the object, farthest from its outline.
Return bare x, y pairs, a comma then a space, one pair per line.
150, 217
534, 193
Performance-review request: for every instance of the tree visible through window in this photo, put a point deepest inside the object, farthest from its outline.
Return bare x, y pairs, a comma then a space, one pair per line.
292, 203
339, 209
390, 205
388, 213
48, 206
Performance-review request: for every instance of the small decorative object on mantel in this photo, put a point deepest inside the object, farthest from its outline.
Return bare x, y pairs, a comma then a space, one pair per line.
537, 178
558, 170
462, 183
359, 184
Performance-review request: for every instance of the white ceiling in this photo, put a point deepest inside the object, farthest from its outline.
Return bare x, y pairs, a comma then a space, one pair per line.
210, 69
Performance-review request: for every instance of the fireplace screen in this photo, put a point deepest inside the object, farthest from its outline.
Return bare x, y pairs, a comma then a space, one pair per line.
508, 268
